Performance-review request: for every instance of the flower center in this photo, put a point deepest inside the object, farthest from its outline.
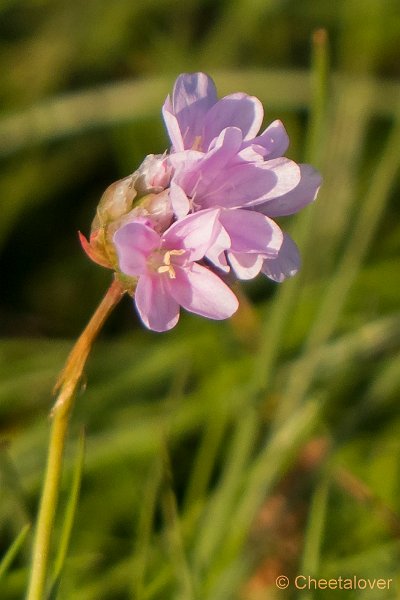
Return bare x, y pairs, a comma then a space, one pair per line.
167, 267
197, 142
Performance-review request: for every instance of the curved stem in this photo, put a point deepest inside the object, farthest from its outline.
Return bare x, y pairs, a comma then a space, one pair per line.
66, 386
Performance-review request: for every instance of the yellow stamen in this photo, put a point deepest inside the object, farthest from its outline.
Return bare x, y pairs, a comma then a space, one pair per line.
167, 267
175, 252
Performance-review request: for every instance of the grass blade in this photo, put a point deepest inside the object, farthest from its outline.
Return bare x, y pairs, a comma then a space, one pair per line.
146, 519
68, 519
13, 551
315, 531
174, 534
340, 284
286, 295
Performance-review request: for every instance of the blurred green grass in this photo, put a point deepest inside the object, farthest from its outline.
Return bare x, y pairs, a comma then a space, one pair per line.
219, 455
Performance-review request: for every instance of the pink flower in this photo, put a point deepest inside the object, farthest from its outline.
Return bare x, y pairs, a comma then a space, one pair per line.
168, 272
184, 219
219, 160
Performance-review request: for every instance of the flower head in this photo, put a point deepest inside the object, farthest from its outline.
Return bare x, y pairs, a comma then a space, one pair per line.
184, 219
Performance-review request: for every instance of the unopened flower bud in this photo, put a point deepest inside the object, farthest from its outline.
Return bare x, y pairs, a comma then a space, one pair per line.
153, 175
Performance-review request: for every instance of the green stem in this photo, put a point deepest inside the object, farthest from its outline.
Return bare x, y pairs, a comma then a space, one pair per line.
66, 386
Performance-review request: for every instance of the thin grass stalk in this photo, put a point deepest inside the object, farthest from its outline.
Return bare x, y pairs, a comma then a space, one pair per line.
69, 518
206, 457
286, 295
340, 159
339, 286
319, 96
184, 576
68, 384
315, 530
146, 519
261, 475
13, 550
218, 518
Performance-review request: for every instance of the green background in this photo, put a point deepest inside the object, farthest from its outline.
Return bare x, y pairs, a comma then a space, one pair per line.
219, 455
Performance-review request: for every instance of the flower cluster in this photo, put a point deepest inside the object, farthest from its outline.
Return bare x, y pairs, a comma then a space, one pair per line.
176, 227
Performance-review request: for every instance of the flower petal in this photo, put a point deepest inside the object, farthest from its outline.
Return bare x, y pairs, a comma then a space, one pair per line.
245, 266
172, 125
201, 291
286, 264
201, 173
179, 201
274, 140
236, 110
193, 95
134, 242
251, 231
248, 184
186, 169
216, 254
195, 233
291, 202
156, 308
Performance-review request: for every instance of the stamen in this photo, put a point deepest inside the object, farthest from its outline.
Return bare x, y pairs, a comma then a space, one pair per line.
167, 267
197, 143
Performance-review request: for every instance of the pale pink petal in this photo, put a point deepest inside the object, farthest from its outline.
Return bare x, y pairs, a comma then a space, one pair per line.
226, 147
286, 264
157, 309
193, 90
236, 110
172, 125
251, 231
133, 243
287, 176
195, 171
248, 184
274, 140
217, 257
193, 95
195, 233
202, 292
185, 160
251, 153
245, 266
236, 185
294, 200
216, 254
186, 169
179, 201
